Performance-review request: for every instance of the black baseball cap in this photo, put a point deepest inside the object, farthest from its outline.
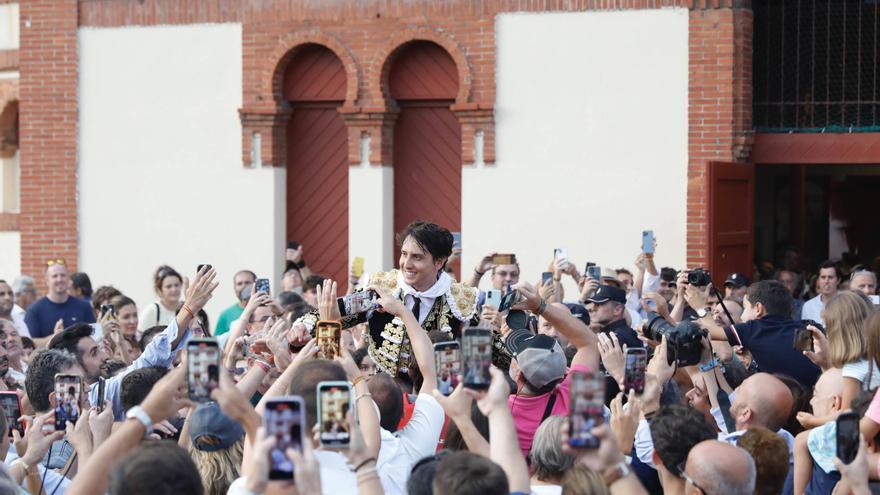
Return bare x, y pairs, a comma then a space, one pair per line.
737, 280
607, 293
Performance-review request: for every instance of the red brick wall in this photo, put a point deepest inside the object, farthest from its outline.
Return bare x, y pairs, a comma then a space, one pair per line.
364, 34
48, 122
720, 113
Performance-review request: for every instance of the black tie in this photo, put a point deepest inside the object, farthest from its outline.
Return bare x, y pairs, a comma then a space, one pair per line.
415, 309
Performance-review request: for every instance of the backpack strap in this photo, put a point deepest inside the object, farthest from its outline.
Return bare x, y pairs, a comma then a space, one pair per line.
550, 403
158, 309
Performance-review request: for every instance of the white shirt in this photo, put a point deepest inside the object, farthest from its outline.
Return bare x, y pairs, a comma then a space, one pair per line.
399, 451
18, 321
859, 371
55, 483
812, 310
336, 477
424, 306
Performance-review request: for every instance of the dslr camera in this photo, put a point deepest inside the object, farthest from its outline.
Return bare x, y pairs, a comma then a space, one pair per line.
684, 345
699, 277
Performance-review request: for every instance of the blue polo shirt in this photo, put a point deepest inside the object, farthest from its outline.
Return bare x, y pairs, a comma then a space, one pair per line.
771, 342
42, 315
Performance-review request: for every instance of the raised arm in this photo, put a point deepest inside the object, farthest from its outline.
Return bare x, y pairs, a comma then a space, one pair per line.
422, 348
578, 334
198, 293
482, 267
458, 407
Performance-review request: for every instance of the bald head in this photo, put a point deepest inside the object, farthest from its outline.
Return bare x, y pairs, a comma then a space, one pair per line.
828, 392
719, 467
762, 400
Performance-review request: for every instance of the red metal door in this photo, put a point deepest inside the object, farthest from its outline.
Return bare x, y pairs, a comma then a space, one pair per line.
317, 160
731, 218
427, 137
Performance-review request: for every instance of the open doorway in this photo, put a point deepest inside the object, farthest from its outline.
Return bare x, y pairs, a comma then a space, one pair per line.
805, 214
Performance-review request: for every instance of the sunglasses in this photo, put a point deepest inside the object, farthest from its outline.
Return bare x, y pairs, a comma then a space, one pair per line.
57, 261
690, 480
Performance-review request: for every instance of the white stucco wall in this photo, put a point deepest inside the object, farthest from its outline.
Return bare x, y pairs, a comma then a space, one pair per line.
10, 255
592, 128
9, 26
160, 170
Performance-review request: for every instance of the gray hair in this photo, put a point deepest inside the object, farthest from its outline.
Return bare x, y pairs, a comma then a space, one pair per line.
22, 283
548, 460
727, 481
859, 273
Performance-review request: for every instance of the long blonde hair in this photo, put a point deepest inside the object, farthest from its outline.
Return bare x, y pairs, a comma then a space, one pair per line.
219, 468
844, 316
580, 480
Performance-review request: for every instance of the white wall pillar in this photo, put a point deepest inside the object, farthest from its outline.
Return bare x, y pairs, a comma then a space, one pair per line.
371, 216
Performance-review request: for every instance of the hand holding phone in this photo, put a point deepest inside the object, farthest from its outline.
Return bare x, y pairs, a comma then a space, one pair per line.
546, 278
328, 334
504, 259
634, 370
447, 361
12, 410
847, 437
357, 267
202, 368
262, 285
477, 357
803, 340
68, 400
585, 408
648, 241
493, 298
595, 273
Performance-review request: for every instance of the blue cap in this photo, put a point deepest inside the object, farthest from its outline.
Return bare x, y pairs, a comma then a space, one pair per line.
209, 421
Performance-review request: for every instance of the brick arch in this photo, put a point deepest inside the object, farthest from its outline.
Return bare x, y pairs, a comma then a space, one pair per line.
381, 65
283, 53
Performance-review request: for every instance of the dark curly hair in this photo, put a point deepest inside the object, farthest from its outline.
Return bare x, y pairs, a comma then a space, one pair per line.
675, 430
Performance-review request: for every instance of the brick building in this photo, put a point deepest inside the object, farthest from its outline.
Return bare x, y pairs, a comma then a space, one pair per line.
215, 130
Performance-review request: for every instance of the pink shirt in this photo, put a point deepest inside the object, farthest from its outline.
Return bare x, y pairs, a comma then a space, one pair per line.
873, 411
528, 411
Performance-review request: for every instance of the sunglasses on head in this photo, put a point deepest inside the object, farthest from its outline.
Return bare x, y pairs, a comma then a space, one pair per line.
57, 261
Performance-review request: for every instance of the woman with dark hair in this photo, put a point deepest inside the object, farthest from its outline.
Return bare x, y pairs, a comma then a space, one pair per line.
167, 284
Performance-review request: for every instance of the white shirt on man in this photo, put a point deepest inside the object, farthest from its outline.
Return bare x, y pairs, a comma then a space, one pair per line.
400, 450
812, 310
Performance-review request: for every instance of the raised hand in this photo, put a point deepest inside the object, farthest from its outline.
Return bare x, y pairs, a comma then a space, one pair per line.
199, 292
327, 308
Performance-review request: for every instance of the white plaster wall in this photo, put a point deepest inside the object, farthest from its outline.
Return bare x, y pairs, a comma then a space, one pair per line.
9, 26
10, 255
591, 122
160, 171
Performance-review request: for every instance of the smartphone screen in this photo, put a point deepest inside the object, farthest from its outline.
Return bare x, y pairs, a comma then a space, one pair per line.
334, 401
203, 368
803, 340
477, 357
560, 254
68, 390
447, 361
12, 410
493, 298
328, 333
262, 285
504, 259
106, 309
101, 387
648, 241
847, 437
284, 420
587, 398
357, 303
595, 272
634, 370
456, 240
509, 299
546, 277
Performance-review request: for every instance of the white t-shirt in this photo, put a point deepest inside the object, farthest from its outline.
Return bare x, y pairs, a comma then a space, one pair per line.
18, 321
812, 310
148, 319
336, 477
546, 490
399, 451
859, 371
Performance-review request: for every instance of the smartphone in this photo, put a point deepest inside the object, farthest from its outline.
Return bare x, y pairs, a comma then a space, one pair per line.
202, 368
101, 387
284, 419
493, 298
595, 272
357, 266
634, 370
504, 259
262, 285
328, 333
585, 408
334, 401
107, 309
456, 240
803, 340
447, 361
199, 268
68, 391
875, 300
12, 410
847, 437
510, 298
357, 303
476, 355
560, 254
546, 278
292, 244
648, 241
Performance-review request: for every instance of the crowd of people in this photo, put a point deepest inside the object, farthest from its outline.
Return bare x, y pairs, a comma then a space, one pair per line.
754, 383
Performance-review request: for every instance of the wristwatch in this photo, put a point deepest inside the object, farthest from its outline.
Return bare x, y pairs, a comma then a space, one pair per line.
702, 312
138, 413
616, 473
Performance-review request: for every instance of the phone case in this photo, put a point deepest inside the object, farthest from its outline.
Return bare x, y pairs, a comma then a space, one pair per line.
334, 401
203, 368
284, 418
476, 356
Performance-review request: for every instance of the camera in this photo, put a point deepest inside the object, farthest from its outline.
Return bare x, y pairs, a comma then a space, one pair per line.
699, 277
684, 345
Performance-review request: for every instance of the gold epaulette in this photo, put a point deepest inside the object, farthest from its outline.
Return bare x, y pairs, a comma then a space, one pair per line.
465, 299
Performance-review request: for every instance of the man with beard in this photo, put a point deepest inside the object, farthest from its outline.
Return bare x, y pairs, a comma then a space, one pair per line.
161, 351
58, 309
